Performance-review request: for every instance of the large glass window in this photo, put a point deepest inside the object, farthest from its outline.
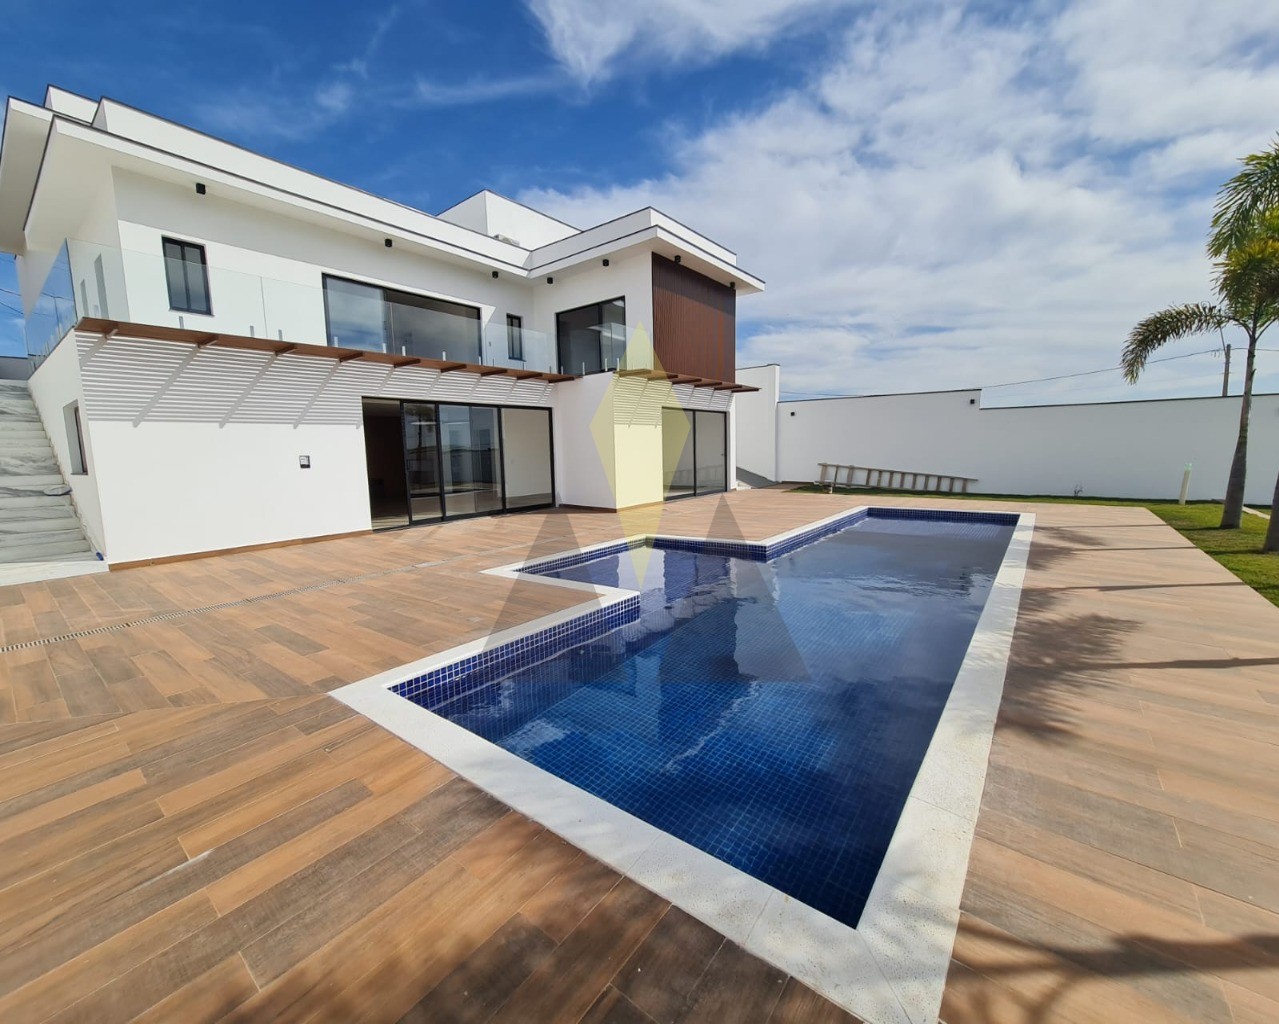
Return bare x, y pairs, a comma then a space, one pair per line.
187, 275
592, 338
694, 452
356, 314
384, 320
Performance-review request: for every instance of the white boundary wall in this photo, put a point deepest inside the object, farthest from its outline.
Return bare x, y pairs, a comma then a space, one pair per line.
1116, 449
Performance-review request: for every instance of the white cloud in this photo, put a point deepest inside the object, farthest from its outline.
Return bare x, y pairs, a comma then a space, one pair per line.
593, 39
427, 93
954, 199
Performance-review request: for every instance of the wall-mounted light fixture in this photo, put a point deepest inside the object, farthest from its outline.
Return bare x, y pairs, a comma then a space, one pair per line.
199, 188
679, 258
387, 242
606, 263
495, 275
550, 280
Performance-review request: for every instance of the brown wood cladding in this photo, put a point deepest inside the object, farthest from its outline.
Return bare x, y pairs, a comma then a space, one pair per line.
694, 322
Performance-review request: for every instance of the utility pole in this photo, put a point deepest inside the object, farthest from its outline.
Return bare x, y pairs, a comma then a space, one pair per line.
1225, 380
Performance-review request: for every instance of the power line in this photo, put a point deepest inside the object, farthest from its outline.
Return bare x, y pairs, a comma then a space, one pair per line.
1035, 380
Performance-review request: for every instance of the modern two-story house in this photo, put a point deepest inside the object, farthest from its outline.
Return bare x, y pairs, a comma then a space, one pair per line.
228, 351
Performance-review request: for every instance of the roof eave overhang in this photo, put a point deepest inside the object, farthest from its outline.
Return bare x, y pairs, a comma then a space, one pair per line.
26, 133
657, 239
127, 150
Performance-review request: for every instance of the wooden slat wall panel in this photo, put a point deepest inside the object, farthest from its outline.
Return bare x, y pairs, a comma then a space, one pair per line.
694, 322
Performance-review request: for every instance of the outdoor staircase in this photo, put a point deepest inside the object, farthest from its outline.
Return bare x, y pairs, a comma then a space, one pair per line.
40, 534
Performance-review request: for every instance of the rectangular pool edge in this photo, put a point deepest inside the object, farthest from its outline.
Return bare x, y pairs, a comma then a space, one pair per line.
892, 966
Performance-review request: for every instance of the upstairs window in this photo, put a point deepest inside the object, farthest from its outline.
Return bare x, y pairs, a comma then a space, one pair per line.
514, 337
188, 277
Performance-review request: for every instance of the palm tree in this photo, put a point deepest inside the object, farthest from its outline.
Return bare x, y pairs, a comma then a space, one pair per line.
1247, 286
1250, 198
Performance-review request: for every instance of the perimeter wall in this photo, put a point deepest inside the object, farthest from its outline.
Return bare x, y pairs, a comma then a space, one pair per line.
1115, 449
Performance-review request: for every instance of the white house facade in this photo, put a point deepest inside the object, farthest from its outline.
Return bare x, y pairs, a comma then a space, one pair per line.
227, 351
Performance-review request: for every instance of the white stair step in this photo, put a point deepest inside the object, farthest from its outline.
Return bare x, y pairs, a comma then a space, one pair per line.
30, 538
25, 553
56, 567
38, 524
27, 464
87, 555
32, 486
30, 446
20, 428
46, 513
11, 503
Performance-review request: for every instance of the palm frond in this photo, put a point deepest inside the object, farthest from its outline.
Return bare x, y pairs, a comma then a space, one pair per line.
1242, 199
1167, 325
1247, 276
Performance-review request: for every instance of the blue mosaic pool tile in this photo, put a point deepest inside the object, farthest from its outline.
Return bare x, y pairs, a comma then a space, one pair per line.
440, 685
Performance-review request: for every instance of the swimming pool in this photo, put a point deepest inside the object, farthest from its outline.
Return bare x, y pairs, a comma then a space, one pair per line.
773, 712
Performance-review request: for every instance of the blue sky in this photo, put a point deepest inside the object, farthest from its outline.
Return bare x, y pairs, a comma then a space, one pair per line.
939, 194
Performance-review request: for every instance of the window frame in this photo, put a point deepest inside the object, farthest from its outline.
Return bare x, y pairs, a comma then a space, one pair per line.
515, 337
599, 304
325, 277
165, 242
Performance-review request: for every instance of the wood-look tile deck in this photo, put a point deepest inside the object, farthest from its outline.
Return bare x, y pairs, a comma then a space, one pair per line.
192, 830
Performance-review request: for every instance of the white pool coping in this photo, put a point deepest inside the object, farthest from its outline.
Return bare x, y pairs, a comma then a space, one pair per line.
892, 967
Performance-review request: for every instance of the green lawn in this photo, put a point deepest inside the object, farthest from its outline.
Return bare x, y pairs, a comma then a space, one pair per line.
1238, 550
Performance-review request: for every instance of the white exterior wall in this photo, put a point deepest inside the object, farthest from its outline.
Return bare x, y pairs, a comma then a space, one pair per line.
197, 449
1122, 449
491, 214
54, 385
757, 420
265, 271
584, 442
608, 441
628, 277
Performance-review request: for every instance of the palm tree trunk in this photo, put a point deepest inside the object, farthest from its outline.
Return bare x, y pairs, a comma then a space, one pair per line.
1271, 542
1232, 512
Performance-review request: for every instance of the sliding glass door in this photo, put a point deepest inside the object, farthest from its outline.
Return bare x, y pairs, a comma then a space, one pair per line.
422, 460
458, 460
471, 454
694, 452
710, 440
527, 481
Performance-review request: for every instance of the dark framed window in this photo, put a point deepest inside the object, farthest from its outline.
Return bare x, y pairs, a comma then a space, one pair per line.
514, 337
75, 439
381, 319
187, 273
592, 338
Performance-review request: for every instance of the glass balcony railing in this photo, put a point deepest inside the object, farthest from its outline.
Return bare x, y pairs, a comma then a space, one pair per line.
178, 289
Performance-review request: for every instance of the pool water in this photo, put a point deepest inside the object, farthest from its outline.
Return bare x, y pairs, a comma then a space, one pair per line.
772, 714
